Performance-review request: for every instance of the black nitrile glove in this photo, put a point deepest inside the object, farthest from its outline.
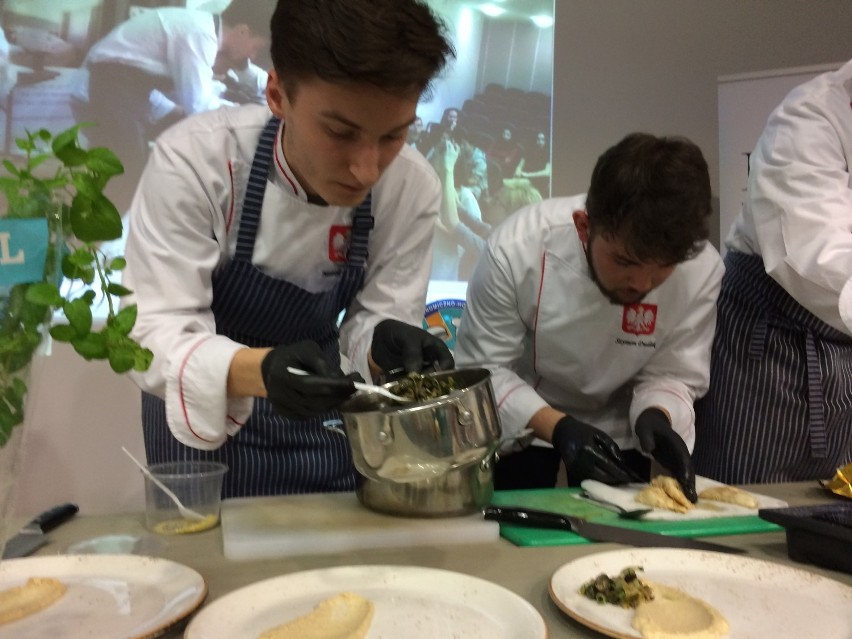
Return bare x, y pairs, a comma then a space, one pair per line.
658, 439
300, 396
400, 345
588, 453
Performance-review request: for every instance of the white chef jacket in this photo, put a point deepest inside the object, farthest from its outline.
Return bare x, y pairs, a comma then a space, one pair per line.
798, 213
538, 321
175, 43
183, 225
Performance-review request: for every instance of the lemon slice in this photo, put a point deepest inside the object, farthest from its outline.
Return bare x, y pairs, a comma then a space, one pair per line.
183, 526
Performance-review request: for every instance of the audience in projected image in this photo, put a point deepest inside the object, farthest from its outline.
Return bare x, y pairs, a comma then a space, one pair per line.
535, 165
484, 180
447, 128
506, 151
417, 134
476, 198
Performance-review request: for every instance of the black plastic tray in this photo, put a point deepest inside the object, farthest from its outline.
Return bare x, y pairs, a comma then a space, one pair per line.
820, 534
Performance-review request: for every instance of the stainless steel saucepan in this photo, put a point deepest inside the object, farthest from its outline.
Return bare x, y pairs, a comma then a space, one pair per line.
426, 458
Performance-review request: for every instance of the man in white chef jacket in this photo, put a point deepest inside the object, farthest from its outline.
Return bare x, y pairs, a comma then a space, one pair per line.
595, 314
255, 227
161, 65
780, 402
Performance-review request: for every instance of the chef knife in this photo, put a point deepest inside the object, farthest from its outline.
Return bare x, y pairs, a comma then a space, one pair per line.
596, 532
32, 536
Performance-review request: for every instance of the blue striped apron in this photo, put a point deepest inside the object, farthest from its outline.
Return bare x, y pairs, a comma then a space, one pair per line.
271, 455
779, 406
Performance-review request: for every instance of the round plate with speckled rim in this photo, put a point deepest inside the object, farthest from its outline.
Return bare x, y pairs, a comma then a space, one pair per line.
758, 598
410, 602
108, 595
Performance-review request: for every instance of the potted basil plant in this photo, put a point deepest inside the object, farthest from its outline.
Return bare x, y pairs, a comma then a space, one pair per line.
53, 271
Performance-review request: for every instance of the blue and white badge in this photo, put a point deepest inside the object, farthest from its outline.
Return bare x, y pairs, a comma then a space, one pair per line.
23, 250
442, 319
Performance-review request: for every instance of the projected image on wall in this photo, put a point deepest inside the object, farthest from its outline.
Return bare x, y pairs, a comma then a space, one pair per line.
488, 117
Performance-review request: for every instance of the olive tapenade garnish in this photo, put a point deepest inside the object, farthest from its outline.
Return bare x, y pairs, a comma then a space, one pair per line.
626, 589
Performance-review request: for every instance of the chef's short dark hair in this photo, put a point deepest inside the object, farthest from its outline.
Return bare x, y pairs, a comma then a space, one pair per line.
397, 45
255, 14
653, 194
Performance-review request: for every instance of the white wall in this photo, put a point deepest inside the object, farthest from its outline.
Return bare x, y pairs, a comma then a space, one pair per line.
80, 417
653, 66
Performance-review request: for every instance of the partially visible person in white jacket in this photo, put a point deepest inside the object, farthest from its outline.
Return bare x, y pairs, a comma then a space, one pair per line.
780, 401
595, 315
163, 64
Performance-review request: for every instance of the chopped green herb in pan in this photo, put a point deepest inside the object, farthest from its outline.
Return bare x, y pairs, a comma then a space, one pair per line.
421, 388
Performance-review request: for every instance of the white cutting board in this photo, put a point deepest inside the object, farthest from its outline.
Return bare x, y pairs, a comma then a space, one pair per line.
265, 527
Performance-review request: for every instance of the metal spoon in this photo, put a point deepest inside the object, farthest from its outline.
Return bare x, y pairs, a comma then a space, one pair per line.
623, 513
369, 388
186, 513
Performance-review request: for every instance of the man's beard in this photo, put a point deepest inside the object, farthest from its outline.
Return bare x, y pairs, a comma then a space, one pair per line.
607, 293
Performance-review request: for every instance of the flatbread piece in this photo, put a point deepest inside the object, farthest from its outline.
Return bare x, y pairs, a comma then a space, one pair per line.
729, 494
29, 598
665, 492
344, 616
656, 497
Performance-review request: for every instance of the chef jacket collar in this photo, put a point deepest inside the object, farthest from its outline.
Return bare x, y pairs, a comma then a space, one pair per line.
285, 175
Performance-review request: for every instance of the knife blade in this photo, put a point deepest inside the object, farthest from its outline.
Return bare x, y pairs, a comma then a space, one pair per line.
32, 536
597, 532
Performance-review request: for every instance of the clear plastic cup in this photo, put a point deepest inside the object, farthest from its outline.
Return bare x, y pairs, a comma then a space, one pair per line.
198, 485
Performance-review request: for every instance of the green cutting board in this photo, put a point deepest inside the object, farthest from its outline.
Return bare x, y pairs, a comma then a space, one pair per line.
562, 500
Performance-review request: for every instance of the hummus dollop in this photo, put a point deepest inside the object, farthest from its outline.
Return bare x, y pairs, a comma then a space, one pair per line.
673, 614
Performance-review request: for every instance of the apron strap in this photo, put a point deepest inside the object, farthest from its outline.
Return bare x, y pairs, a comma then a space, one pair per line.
255, 189
362, 224
816, 432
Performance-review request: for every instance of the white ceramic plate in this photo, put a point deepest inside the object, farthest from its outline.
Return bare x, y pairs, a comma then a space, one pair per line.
108, 596
410, 603
758, 598
625, 496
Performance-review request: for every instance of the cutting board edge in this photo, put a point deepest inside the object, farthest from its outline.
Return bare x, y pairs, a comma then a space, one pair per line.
248, 550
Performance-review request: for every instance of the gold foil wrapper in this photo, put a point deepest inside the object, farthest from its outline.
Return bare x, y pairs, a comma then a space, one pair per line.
841, 483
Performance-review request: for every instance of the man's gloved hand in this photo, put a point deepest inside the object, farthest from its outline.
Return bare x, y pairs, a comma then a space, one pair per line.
589, 453
300, 396
658, 439
400, 345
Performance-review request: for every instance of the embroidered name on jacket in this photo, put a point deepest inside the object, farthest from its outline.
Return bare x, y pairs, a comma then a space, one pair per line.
338, 242
639, 319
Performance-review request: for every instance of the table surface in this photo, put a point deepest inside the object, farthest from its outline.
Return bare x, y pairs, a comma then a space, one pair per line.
525, 571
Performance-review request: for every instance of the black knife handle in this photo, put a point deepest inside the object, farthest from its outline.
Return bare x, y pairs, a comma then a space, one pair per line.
50, 519
527, 517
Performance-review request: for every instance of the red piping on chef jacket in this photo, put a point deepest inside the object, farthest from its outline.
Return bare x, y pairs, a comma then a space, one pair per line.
537, 308
281, 168
535, 326
180, 390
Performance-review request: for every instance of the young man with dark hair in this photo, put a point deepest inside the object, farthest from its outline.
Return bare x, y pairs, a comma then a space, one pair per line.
255, 227
595, 314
